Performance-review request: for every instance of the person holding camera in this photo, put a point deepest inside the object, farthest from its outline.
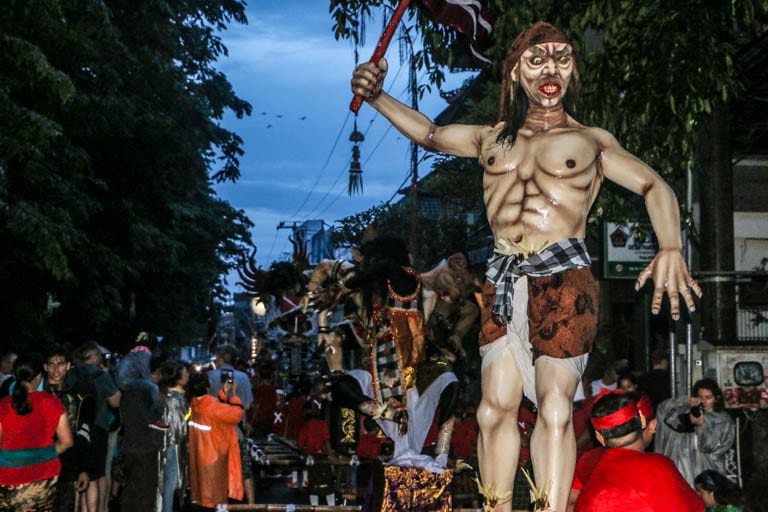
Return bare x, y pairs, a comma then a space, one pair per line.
225, 372
215, 473
696, 432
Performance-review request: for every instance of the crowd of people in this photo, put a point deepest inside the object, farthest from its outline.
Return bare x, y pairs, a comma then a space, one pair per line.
652, 451
79, 432
543, 170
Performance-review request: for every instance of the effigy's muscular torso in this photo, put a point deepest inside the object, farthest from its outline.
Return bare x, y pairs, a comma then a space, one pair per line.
540, 189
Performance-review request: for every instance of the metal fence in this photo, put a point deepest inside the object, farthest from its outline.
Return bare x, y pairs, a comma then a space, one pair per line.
752, 325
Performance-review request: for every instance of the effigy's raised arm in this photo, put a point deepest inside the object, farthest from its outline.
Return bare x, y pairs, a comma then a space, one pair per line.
668, 268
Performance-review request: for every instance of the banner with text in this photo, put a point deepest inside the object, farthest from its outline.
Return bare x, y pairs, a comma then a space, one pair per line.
629, 248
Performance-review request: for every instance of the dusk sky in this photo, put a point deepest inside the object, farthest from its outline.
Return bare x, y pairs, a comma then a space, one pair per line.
288, 66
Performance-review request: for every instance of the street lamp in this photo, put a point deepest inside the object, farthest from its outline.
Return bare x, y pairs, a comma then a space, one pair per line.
258, 307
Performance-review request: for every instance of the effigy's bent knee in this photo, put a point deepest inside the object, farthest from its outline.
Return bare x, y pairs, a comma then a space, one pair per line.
490, 415
555, 410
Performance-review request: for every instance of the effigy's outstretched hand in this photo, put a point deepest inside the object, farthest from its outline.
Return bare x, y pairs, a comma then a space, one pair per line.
670, 275
368, 79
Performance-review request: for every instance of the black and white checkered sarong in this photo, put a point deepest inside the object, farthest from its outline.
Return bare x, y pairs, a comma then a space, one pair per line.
567, 254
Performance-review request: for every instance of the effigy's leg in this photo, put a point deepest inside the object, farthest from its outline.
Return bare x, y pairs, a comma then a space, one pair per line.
553, 444
498, 445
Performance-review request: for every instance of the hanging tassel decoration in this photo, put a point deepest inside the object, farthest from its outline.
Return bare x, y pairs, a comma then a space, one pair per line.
355, 171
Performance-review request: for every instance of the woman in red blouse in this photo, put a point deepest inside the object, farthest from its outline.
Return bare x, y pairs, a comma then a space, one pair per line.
314, 440
30, 420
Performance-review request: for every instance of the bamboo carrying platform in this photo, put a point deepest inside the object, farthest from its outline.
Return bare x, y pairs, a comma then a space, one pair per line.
304, 508
275, 455
288, 508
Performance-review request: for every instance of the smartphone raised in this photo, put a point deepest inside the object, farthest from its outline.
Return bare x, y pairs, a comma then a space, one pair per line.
227, 375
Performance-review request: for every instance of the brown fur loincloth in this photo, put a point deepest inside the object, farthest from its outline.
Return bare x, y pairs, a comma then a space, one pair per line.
562, 314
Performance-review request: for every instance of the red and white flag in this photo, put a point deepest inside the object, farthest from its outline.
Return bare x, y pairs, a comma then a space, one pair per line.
469, 17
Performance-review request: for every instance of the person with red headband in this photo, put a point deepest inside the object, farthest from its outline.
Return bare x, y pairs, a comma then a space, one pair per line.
542, 172
622, 476
649, 431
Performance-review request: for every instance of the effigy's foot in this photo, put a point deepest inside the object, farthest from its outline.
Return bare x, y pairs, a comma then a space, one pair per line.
490, 499
539, 495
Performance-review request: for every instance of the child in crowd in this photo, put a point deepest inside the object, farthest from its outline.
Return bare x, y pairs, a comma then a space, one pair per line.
314, 441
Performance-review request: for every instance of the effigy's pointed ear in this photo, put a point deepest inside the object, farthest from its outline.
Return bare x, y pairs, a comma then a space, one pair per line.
514, 81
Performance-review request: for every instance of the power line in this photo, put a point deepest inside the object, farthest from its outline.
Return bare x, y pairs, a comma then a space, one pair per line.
405, 180
330, 154
384, 135
338, 177
274, 241
346, 167
343, 170
320, 175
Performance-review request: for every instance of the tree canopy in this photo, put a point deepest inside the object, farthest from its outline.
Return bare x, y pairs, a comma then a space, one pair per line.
110, 141
652, 72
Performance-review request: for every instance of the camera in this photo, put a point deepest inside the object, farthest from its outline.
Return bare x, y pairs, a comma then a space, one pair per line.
697, 411
683, 423
227, 375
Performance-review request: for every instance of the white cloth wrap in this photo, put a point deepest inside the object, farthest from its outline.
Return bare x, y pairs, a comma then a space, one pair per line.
421, 412
518, 342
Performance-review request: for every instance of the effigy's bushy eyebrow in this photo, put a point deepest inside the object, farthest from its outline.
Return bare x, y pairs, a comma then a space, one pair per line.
538, 51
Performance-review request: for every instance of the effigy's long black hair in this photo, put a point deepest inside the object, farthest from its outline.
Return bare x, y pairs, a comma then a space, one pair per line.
384, 260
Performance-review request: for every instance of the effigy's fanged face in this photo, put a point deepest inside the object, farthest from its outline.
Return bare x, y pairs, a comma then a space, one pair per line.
545, 71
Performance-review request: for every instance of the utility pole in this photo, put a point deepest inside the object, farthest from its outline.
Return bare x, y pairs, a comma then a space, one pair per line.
716, 182
287, 224
414, 199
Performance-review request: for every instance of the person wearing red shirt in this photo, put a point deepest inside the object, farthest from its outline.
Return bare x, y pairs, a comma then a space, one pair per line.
582, 409
464, 438
294, 413
262, 412
278, 415
622, 476
314, 436
34, 430
314, 441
